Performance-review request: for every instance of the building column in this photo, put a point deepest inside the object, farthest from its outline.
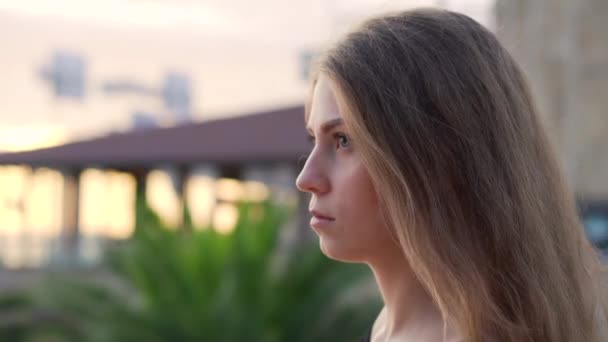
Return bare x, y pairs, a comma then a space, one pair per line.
180, 176
141, 185
71, 204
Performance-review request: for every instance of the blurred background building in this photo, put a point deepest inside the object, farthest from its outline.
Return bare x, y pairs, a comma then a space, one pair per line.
100, 71
563, 48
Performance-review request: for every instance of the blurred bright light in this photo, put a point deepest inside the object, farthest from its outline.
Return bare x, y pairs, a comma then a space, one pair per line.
30, 214
43, 202
107, 202
225, 217
20, 138
121, 194
13, 182
255, 191
163, 199
229, 190
200, 196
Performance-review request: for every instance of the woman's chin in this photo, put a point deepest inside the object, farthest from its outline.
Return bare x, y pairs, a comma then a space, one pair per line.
339, 252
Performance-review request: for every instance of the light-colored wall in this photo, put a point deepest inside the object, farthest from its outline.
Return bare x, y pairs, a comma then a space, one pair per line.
562, 46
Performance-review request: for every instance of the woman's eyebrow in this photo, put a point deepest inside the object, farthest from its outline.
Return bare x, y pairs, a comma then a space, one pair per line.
327, 126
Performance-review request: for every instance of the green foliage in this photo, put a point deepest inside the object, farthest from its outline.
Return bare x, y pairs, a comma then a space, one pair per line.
202, 285
12, 305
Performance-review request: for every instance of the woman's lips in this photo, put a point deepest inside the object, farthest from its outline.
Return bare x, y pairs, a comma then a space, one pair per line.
320, 221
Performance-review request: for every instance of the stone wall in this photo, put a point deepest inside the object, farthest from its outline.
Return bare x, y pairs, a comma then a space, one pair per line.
562, 46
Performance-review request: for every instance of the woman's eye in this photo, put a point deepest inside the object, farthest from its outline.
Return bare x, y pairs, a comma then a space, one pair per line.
343, 140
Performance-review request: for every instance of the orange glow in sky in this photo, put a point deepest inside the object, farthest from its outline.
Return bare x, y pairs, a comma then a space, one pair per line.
20, 138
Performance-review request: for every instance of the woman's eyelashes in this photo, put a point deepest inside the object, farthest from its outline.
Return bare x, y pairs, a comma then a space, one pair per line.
340, 140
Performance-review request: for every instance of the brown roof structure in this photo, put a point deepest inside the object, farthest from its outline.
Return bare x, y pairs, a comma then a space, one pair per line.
272, 136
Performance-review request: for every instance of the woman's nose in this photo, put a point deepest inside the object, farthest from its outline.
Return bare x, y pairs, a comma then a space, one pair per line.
312, 178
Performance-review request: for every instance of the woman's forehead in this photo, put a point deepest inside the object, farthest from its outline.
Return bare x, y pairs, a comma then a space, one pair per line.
324, 106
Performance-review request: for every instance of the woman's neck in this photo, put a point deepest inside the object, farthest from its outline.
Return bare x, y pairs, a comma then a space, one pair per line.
409, 313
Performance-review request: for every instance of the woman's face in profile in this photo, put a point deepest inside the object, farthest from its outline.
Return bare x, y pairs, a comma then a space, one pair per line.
344, 205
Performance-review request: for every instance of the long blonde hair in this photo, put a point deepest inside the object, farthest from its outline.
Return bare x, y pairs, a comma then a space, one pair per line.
469, 181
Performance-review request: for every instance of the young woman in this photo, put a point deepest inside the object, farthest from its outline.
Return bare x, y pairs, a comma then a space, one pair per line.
430, 165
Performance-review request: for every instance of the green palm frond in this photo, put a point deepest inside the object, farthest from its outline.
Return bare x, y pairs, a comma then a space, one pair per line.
202, 285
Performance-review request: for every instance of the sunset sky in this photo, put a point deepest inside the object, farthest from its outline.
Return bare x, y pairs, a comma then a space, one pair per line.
241, 56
